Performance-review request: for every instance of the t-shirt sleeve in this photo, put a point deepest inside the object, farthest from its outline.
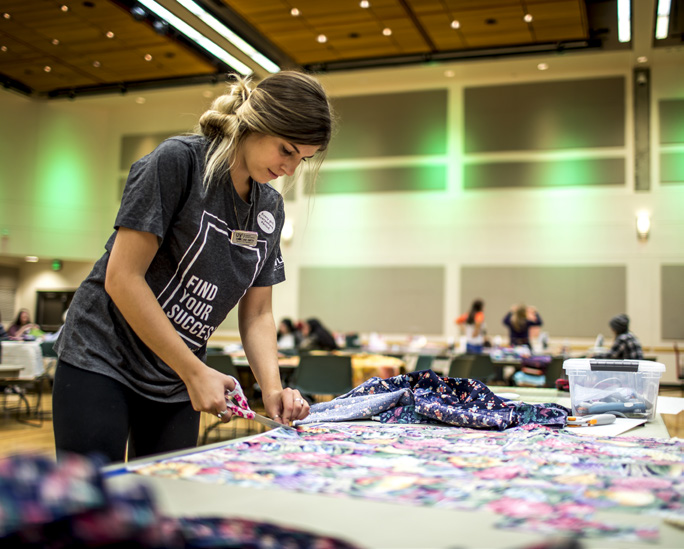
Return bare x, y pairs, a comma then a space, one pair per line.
155, 187
273, 271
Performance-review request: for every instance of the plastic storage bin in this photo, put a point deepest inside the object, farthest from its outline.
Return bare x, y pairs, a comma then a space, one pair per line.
626, 388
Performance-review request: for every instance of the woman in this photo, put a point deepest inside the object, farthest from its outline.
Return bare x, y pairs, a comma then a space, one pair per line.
473, 322
198, 230
316, 337
519, 321
288, 336
22, 326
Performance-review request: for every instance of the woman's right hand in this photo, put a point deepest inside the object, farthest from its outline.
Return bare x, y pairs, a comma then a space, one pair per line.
207, 389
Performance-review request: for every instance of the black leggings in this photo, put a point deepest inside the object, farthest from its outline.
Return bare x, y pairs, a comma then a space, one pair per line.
96, 415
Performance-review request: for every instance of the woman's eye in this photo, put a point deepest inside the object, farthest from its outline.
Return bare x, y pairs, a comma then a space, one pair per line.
286, 152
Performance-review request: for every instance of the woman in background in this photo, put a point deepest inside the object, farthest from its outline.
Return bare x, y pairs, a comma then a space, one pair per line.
316, 337
519, 321
288, 336
22, 326
474, 324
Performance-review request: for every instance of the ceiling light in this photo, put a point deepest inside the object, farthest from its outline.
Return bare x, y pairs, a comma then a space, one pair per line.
54, 42
197, 37
527, 18
449, 74
31, 259
256, 56
140, 100
364, 4
663, 19
109, 34
642, 59
97, 64
47, 68
6, 15
322, 38
294, 12
455, 24
624, 20
148, 57
387, 31
543, 66
64, 8
3, 49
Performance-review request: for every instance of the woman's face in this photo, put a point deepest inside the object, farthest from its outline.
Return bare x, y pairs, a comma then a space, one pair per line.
265, 157
23, 317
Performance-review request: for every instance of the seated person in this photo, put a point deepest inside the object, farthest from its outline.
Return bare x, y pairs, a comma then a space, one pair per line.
626, 344
315, 337
22, 327
288, 336
519, 321
473, 324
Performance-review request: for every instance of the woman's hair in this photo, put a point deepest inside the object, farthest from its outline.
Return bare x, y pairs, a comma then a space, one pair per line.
291, 105
289, 325
323, 337
17, 321
475, 308
519, 320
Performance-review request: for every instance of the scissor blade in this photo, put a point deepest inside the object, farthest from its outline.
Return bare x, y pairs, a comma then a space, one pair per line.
268, 422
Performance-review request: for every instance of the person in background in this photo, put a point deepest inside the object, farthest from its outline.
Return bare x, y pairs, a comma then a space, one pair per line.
316, 337
4, 336
626, 344
288, 336
22, 327
197, 233
519, 321
473, 323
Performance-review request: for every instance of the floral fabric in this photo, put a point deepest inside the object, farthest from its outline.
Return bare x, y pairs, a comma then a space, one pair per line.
425, 397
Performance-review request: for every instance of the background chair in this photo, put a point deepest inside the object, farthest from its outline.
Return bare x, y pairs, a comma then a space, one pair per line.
460, 366
554, 371
424, 362
483, 369
323, 375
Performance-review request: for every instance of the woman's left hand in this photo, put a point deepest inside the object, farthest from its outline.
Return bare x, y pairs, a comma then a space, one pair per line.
286, 406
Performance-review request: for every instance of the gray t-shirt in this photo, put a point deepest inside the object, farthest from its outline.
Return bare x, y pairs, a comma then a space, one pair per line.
197, 275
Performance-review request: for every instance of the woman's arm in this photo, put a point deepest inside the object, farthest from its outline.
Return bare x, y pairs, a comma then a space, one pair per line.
258, 333
125, 283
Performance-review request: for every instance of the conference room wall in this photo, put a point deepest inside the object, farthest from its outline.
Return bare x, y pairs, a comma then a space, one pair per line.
453, 228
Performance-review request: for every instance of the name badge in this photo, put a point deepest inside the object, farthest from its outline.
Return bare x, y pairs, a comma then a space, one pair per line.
244, 238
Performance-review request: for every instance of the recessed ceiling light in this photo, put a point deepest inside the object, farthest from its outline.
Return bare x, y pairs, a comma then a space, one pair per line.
294, 12
455, 24
364, 4
322, 38
47, 68
3, 49
97, 64
54, 42
148, 57
387, 31
109, 34
64, 8
543, 66
140, 100
642, 59
527, 18
6, 15
31, 259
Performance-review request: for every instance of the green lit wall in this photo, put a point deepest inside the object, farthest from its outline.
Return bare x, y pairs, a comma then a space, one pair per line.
671, 118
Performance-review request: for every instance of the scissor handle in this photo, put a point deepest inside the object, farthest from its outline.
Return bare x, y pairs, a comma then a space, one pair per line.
236, 401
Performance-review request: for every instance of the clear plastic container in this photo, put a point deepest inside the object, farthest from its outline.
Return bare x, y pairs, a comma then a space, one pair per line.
626, 388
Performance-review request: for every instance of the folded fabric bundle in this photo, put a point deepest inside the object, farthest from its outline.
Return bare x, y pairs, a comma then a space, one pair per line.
425, 397
67, 504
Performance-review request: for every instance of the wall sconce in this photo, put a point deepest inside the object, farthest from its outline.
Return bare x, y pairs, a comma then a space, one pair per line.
287, 233
643, 226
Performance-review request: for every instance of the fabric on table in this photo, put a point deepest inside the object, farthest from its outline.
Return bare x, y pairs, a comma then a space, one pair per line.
425, 397
66, 504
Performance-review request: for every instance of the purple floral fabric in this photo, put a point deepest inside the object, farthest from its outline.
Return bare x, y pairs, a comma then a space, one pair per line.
425, 397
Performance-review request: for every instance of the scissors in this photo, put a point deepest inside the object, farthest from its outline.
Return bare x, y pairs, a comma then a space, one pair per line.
236, 401
588, 421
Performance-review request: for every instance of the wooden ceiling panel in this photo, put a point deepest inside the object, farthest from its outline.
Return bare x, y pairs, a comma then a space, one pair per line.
420, 29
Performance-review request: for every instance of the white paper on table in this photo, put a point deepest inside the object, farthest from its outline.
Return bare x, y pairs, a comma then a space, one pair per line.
670, 405
621, 425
